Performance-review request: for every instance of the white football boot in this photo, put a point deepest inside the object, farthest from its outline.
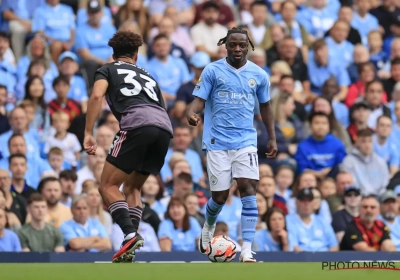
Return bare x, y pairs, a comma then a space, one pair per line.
247, 256
207, 233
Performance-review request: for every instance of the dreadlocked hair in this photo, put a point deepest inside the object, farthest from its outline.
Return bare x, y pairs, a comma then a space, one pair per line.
235, 30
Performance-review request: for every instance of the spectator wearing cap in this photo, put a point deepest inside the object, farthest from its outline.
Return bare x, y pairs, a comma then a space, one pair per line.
310, 232
37, 48
68, 64
82, 234
56, 22
184, 96
366, 233
321, 153
360, 112
370, 172
321, 68
17, 17
363, 21
385, 146
384, 13
68, 180
170, 72
92, 40
339, 48
179, 35
206, 34
342, 218
82, 15
373, 95
166, 27
389, 215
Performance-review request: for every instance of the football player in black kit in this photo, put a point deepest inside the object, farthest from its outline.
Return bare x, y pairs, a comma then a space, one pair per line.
140, 147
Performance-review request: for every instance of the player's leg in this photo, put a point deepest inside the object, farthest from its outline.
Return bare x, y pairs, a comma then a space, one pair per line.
245, 171
121, 162
220, 176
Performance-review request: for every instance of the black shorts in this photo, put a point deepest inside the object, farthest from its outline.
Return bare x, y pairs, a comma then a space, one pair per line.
142, 149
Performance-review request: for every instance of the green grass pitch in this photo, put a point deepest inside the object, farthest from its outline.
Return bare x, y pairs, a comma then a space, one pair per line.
186, 271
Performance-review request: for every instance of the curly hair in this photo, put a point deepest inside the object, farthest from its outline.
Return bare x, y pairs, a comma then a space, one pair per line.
125, 43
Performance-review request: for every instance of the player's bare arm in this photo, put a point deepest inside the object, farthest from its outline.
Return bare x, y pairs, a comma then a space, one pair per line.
193, 109
268, 119
94, 109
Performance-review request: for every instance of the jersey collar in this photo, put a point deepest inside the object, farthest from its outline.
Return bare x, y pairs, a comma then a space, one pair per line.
234, 69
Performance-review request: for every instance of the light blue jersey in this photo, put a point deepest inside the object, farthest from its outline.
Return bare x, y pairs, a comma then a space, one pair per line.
394, 230
263, 242
230, 96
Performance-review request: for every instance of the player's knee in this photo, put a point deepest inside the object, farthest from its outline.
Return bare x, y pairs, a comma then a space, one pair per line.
220, 197
247, 187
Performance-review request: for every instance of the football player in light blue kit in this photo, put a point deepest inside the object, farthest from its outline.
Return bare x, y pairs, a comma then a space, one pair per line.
228, 88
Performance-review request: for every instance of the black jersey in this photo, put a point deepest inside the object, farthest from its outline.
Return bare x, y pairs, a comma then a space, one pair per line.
133, 96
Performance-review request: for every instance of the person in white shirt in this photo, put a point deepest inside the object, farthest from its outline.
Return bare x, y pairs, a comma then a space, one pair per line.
86, 172
206, 34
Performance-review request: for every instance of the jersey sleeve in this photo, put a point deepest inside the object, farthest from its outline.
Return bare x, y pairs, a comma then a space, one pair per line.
101, 73
352, 235
205, 84
263, 90
386, 234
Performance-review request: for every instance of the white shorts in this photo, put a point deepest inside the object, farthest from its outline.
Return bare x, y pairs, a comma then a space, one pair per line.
224, 166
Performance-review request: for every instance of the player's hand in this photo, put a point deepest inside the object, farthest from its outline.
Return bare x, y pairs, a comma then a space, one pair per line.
89, 144
193, 119
272, 149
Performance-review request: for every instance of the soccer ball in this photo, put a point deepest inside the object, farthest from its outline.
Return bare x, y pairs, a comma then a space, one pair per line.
222, 249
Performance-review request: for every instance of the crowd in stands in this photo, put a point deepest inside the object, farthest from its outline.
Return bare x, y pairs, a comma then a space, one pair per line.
335, 86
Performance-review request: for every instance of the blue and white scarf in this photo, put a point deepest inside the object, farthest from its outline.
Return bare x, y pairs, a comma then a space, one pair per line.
296, 32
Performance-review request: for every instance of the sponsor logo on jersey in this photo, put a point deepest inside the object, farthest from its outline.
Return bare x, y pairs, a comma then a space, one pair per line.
252, 83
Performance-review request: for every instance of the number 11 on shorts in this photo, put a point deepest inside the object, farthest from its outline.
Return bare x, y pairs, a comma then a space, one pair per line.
251, 155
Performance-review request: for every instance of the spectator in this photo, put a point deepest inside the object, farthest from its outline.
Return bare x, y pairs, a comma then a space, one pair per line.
57, 213
284, 178
275, 237
327, 188
133, 11
38, 236
68, 64
66, 141
62, 102
378, 57
277, 36
14, 203
55, 157
384, 13
67, 180
343, 180
258, 57
262, 206
363, 21
13, 222
19, 124
309, 231
150, 194
82, 234
170, 72
34, 92
384, 145
104, 137
394, 78
18, 15
192, 206
7, 71
9, 241
360, 113
36, 165
110, 121
179, 231
226, 16
373, 95
259, 31
389, 215
86, 172
56, 22
4, 125
370, 171
182, 185
158, 7
321, 68
321, 152
82, 14
205, 35
367, 73
365, 233
339, 48
287, 84
182, 139
361, 56
346, 14
18, 168
184, 94
96, 210
267, 187
92, 40
342, 218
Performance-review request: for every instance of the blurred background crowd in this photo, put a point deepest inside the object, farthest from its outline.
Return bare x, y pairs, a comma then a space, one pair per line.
335, 86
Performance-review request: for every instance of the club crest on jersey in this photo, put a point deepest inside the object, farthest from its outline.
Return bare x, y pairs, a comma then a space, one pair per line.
213, 180
252, 83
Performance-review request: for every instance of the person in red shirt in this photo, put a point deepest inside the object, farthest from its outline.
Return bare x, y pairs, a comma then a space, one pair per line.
359, 117
62, 103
